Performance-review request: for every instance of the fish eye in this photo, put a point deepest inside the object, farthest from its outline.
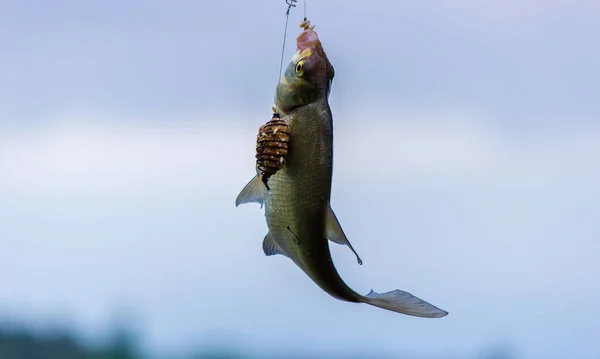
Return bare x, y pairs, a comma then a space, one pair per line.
300, 68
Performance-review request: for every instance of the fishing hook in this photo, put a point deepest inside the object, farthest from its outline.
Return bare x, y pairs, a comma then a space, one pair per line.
291, 4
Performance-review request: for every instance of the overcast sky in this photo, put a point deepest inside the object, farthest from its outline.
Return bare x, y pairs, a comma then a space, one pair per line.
467, 150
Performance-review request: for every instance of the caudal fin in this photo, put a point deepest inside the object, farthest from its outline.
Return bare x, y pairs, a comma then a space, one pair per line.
403, 302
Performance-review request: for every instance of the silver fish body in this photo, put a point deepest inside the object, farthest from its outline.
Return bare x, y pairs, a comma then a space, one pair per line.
299, 216
297, 205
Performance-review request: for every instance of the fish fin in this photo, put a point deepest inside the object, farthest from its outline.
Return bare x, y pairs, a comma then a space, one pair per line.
335, 233
254, 191
403, 302
270, 247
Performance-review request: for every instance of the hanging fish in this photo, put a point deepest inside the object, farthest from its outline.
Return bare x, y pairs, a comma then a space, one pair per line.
297, 206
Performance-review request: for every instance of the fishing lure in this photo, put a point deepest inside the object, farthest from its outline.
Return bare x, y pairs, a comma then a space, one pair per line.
272, 147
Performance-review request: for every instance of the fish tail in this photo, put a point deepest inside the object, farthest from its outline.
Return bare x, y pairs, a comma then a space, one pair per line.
403, 302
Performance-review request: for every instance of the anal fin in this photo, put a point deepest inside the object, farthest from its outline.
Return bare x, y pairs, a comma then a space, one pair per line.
335, 233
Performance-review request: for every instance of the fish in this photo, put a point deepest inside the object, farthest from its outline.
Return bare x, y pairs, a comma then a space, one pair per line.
297, 206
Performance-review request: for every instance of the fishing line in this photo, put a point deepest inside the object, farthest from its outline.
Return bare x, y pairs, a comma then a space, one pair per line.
304, 10
291, 4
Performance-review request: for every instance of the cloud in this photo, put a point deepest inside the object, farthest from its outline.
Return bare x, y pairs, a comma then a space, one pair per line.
87, 154
90, 155
466, 149
512, 8
174, 259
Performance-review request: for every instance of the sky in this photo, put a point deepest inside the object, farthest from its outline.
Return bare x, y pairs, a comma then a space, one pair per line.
466, 147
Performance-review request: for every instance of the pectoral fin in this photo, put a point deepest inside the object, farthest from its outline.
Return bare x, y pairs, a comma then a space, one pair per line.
254, 191
270, 247
334, 232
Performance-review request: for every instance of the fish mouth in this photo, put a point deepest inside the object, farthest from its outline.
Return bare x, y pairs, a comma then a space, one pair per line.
308, 39
309, 45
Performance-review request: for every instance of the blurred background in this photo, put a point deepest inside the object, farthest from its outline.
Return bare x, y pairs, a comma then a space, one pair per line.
467, 150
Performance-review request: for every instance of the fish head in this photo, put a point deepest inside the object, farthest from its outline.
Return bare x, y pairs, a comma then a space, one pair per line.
308, 76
